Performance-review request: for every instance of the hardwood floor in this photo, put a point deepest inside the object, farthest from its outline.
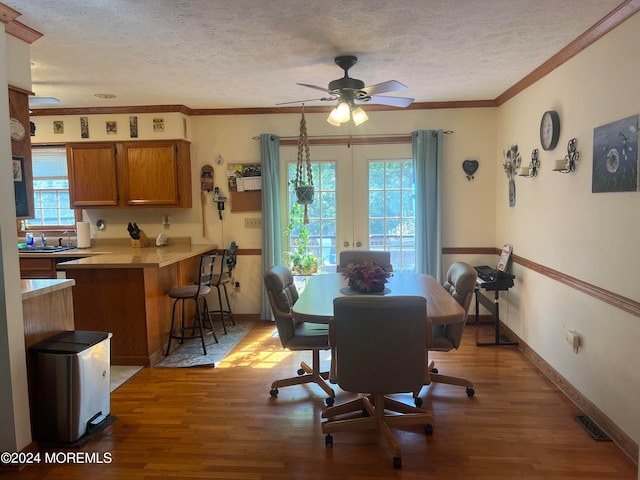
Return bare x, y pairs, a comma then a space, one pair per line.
221, 423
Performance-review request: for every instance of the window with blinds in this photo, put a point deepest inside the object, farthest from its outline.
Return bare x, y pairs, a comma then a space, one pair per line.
51, 188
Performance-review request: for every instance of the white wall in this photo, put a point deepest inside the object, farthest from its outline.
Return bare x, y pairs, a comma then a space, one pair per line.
15, 426
560, 224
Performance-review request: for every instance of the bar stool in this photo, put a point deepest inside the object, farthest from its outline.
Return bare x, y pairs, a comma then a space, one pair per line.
222, 279
196, 293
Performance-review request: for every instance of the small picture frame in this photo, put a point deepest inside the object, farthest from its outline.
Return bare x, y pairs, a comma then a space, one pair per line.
133, 127
84, 127
112, 128
158, 124
58, 126
504, 257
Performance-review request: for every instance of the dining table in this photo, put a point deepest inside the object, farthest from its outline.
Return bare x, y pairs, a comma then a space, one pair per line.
315, 303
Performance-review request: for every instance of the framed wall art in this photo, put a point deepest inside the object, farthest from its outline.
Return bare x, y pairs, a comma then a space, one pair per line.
20, 187
615, 156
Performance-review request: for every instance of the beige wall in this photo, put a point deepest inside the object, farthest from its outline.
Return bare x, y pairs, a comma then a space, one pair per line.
232, 138
560, 224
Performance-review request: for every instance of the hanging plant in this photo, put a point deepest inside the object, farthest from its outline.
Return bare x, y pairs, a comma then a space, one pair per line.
303, 187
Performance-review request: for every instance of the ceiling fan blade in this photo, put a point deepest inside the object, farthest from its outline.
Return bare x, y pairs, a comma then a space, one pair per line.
391, 101
314, 86
324, 99
384, 87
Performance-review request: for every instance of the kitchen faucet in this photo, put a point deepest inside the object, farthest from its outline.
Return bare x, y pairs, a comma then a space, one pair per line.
43, 239
68, 234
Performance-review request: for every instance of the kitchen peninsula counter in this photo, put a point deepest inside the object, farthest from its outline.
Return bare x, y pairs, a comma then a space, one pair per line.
123, 290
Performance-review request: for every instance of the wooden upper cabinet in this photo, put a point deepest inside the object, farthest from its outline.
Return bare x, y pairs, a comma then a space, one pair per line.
130, 174
151, 174
93, 175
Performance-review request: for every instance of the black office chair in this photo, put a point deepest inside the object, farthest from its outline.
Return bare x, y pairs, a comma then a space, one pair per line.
196, 292
221, 280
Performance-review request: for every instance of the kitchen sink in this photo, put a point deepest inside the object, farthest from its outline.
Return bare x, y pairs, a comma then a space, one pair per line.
47, 249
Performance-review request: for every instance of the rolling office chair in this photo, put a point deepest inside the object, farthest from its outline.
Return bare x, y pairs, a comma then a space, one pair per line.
282, 292
380, 257
222, 279
378, 347
460, 283
197, 293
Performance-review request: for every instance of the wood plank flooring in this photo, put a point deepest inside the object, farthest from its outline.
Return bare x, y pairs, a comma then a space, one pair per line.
221, 423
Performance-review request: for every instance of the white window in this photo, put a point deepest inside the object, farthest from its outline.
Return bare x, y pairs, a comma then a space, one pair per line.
365, 199
51, 188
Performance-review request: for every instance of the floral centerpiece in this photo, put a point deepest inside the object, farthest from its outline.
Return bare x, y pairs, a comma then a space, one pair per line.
367, 277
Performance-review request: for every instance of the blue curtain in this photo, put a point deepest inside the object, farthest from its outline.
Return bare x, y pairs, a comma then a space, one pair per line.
426, 148
271, 229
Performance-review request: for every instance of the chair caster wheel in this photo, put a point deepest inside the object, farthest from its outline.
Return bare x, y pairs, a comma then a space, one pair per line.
397, 462
329, 401
470, 392
428, 429
328, 440
417, 402
300, 371
273, 392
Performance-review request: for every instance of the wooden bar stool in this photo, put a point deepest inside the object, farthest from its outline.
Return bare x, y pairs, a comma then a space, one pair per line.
196, 292
221, 280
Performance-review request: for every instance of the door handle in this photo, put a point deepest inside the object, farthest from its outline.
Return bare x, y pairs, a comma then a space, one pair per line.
358, 244
345, 244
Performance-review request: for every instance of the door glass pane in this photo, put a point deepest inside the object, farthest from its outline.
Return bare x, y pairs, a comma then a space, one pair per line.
321, 230
392, 211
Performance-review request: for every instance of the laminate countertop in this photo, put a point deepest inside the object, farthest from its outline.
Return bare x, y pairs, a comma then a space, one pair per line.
122, 255
42, 286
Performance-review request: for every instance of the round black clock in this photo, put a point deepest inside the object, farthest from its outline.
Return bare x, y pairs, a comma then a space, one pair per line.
549, 130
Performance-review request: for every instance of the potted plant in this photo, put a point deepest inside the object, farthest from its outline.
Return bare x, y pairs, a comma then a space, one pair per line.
367, 277
301, 260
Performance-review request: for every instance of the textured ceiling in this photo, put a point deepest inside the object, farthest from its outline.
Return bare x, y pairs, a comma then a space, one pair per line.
251, 53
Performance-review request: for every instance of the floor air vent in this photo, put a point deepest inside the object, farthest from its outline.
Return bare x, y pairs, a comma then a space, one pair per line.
591, 428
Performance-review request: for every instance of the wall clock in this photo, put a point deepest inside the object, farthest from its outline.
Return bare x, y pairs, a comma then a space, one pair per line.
17, 130
549, 130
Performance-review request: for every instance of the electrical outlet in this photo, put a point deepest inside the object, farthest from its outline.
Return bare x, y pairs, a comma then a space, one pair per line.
252, 223
573, 339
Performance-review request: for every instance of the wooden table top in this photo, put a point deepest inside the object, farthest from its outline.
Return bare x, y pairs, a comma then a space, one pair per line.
316, 301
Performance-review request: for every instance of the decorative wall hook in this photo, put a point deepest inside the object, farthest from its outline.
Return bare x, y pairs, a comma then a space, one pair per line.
568, 165
534, 165
470, 167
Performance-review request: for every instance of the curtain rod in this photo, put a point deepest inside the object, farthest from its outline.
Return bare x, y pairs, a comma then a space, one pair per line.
351, 139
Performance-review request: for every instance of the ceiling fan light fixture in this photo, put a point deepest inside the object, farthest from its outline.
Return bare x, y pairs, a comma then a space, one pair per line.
332, 120
340, 114
359, 116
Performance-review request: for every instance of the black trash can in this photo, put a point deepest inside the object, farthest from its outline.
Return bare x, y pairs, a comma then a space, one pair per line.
71, 384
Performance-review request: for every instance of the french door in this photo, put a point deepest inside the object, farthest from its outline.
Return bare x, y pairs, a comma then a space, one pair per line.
365, 199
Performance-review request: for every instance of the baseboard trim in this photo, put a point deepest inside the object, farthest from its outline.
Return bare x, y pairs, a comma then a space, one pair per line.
621, 439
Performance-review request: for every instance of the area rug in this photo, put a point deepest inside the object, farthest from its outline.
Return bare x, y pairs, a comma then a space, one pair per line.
190, 354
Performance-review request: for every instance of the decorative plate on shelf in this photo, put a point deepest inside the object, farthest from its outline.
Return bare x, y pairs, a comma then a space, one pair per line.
17, 129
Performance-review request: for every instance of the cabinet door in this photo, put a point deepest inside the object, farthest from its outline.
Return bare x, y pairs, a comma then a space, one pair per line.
93, 175
150, 174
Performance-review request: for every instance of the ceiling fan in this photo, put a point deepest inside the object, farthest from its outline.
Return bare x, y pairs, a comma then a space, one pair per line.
351, 92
